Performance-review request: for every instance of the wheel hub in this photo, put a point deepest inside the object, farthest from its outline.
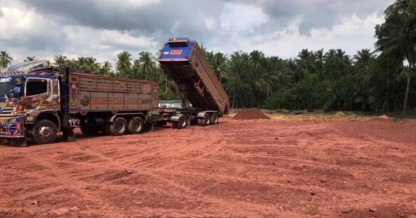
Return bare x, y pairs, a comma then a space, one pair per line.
45, 131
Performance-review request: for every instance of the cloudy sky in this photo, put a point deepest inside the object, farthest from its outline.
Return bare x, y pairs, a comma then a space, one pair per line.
103, 28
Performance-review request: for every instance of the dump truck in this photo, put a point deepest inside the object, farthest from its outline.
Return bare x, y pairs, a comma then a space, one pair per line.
203, 98
38, 100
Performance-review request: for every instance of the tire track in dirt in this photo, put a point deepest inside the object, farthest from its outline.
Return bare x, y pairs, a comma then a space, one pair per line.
64, 178
126, 163
184, 149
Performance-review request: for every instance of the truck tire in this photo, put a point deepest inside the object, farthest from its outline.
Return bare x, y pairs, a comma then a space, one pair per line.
44, 132
206, 120
136, 125
119, 126
182, 122
214, 118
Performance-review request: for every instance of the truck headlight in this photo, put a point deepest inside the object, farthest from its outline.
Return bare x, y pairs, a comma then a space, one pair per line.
21, 108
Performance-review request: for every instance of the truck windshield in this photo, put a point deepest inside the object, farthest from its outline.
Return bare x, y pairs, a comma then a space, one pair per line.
5, 87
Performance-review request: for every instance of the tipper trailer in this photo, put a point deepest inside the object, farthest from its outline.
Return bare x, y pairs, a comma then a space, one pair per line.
202, 96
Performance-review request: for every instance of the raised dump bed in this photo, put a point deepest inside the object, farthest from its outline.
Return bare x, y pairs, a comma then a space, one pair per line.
185, 62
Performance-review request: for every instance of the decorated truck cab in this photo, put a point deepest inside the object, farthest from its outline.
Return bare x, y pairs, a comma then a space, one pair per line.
26, 91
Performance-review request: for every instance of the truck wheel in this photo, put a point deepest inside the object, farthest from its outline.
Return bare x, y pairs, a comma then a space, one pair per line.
44, 132
214, 118
119, 126
182, 121
136, 125
206, 120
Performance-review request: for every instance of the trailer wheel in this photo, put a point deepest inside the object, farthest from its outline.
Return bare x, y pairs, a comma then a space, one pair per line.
206, 120
119, 126
182, 122
214, 118
44, 132
136, 125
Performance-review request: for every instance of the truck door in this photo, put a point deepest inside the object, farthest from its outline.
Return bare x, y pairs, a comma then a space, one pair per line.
42, 93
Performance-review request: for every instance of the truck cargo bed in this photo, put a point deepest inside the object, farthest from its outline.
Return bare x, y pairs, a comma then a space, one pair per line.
89, 93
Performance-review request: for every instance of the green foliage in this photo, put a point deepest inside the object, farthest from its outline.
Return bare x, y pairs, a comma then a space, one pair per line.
28, 58
276, 101
5, 59
396, 39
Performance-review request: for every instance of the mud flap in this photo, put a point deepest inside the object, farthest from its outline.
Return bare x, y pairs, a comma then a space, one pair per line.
149, 127
68, 134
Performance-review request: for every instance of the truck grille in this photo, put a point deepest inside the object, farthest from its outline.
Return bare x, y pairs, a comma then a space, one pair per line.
7, 110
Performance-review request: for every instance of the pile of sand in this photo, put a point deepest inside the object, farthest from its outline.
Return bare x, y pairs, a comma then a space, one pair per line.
250, 115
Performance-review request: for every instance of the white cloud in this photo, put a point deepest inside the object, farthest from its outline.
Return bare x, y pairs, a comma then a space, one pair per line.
19, 21
86, 41
210, 23
242, 17
349, 33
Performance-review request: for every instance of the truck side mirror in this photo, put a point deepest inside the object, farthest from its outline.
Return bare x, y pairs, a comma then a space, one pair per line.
15, 92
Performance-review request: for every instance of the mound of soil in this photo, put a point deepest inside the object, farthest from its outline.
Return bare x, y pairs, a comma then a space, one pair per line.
250, 115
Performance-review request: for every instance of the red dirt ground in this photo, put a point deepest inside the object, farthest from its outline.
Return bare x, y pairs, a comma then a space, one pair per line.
255, 168
250, 115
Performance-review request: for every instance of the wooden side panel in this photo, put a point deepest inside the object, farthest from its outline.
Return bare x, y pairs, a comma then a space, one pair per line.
116, 101
131, 101
95, 93
99, 101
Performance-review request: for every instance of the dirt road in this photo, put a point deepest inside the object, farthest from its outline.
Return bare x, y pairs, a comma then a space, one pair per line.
263, 168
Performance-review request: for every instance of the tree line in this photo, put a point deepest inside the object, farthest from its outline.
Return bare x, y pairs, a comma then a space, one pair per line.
373, 81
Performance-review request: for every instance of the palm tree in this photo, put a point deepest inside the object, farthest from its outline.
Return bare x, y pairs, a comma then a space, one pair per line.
90, 64
5, 59
106, 69
60, 60
238, 67
123, 65
397, 37
364, 70
319, 61
30, 58
147, 65
305, 62
337, 65
219, 64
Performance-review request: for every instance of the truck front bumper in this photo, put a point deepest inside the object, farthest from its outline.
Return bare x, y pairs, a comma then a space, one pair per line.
12, 127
